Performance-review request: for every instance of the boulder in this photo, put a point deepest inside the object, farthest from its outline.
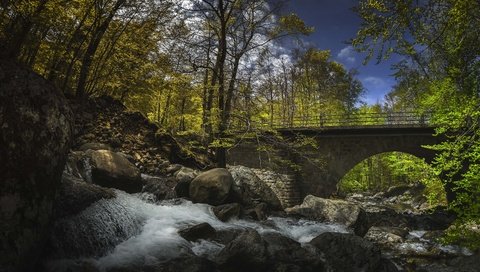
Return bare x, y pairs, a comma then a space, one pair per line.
75, 195
396, 190
172, 168
249, 189
258, 213
200, 231
161, 188
348, 252
94, 146
188, 263
36, 133
212, 187
227, 211
112, 170
386, 237
247, 252
288, 254
78, 165
184, 177
185, 174
332, 210
182, 189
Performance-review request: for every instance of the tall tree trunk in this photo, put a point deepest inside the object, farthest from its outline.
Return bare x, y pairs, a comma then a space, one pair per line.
58, 60
92, 49
230, 92
17, 32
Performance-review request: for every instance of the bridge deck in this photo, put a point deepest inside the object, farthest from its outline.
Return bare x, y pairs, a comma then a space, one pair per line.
403, 120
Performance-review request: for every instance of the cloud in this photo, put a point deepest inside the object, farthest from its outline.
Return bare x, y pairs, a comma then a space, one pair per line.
347, 54
374, 81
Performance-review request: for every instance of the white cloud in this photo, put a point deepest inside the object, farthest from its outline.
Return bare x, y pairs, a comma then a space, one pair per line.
374, 81
347, 54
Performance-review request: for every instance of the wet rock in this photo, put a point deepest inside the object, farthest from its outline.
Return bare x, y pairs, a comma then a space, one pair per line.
460, 264
75, 195
347, 252
439, 219
200, 231
94, 146
247, 252
227, 211
78, 165
396, 191
190, 264
185, 174
386, 237
250, 189
72, 266
36, 133
184, 177
285, 253
258, 213
332, 210
172, 168
225, 236
110, 169
212, 187
161, 188
182, 189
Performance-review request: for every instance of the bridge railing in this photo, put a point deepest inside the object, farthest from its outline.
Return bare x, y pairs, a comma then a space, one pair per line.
390, 119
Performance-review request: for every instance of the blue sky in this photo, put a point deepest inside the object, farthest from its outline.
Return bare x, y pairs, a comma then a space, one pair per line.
335, 23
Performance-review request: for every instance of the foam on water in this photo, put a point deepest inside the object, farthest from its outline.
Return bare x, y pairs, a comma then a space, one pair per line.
147, 233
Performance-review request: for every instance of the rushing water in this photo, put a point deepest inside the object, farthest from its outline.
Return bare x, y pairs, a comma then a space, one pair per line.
130, 230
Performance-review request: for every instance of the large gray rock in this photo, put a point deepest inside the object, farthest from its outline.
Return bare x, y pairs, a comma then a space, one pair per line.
348, 252
332, 210
285, 254
249, 189
75, 195
247, 252
161, 188
35, 135
200, 231
94, 146
227, 211
113, 170
212, 187
184, 177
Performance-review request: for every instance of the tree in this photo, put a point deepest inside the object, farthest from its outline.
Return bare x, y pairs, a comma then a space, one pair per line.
239, 27
441, 41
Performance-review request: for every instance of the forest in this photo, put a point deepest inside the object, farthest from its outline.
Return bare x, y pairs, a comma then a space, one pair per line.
210, 67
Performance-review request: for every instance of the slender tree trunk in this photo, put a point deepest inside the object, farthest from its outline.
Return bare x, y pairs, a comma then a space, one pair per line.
58, 60
221, 153
17, 32
230, 92
92, 49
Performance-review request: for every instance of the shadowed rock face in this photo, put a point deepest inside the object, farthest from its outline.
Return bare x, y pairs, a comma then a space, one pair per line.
212, 187
36, 131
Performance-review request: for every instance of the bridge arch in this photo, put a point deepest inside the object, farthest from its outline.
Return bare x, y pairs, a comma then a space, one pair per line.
339, 150
381, 171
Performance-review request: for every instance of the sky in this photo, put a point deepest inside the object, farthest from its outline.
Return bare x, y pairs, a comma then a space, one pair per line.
335, 23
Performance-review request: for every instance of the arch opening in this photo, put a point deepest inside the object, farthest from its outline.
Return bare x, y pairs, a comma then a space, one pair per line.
390, 172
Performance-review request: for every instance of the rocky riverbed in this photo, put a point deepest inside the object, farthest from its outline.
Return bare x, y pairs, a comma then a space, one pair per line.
112, 217
126, 203
132, 198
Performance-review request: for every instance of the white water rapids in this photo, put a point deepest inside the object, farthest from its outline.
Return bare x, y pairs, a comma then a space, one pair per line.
129, 230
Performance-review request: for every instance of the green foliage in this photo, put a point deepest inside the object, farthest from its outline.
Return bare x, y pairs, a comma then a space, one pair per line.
441, 40
464, 233
380, 172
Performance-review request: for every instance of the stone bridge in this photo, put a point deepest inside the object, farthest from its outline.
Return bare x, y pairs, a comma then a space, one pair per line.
336, 150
